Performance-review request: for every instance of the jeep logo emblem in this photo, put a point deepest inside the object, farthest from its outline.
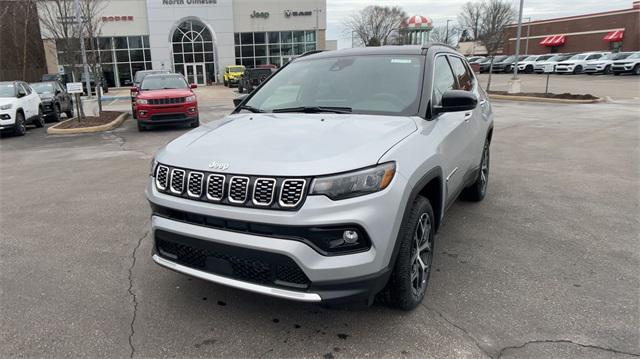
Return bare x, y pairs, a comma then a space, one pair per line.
221, 166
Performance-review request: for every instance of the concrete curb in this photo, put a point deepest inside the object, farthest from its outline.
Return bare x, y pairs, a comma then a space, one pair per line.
541, 99
106, 127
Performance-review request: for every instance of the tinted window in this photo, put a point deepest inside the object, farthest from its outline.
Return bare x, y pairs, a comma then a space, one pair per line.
27, 89
461, 72
155, 82
635, 55
375, 84
43, 87
443, 80
594, 57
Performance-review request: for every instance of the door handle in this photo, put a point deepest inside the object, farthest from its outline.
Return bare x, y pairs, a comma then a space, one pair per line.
483, 102
467, 116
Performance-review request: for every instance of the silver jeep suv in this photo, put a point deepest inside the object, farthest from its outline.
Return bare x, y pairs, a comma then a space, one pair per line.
329, 181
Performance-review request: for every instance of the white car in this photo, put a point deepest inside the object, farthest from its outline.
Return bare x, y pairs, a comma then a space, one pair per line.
630, 64
528, 64
603, 65
553, 60
576, 63
19, 106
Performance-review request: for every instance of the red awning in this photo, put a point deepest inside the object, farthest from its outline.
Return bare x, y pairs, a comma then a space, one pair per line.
614, 36
553, 40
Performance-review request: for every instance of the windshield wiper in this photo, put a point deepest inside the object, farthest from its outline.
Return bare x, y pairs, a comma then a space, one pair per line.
315, 109
250, 108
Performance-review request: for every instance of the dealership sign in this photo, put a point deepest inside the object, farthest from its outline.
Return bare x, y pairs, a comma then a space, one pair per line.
117, 18
189, 2
289, 13
258, 14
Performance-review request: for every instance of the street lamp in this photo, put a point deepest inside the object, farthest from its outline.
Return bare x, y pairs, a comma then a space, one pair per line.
528, 33
515, 83
446, 37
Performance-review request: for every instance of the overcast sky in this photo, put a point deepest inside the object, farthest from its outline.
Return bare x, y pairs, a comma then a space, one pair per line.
439, 11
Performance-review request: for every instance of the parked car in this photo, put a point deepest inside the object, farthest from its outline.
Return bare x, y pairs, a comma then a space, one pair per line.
232, 74
92, 83
553, 60
137, 80
603, 64
528, 63
311, 189
55, 99
61, 78
486, 63
576, 63
19, 106
165, 99
506, 64
252, 78
631, 64
474, 59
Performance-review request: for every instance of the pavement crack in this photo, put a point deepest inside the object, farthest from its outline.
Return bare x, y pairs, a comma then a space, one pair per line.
134, 298
122, 144
566, 341
463, 330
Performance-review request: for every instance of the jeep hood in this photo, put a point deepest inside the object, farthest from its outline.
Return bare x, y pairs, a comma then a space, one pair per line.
292, 144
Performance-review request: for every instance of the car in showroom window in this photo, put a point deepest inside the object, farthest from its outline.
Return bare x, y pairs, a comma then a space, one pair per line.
385, 85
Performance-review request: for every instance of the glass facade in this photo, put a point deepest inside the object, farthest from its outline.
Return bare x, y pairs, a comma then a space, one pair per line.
192, 48
120, 57
276, 48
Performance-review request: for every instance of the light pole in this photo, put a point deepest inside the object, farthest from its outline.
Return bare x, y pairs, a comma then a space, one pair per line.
526, 46
446, 37
82, 49
519, 32
317, 11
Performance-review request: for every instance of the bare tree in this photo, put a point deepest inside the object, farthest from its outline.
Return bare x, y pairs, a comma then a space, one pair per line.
496, 14
376, 25
442, 35
470, 18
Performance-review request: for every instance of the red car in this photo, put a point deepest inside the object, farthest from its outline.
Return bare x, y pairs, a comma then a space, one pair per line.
165, 99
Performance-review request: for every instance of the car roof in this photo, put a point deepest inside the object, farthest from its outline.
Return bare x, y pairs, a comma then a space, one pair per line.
163, 75
377, 50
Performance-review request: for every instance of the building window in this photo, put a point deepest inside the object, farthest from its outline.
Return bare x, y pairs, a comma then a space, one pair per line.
119, 58
277, 48
193, 50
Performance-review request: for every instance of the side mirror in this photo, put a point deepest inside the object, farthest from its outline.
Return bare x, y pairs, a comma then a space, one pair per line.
194, 86
58, 92
134, 89
21, 94
458, 100
238, 100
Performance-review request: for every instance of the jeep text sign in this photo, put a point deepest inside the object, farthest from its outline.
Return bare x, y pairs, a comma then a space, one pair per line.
74, 87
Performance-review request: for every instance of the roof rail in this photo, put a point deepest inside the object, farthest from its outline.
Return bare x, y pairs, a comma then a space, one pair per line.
429, 44
310, 53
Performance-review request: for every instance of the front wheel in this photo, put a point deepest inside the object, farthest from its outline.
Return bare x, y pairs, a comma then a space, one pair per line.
56, 113
636, 70
39, 120
577, 70
195, 123
478, 190
607, 70
141, 127
20, 129
69, 112
410, 277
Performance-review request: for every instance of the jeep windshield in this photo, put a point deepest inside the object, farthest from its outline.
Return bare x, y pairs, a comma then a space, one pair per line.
42, 87
159, 82
372, 84
236, 69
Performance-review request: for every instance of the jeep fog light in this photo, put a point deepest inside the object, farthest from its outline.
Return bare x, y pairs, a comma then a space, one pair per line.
350, 237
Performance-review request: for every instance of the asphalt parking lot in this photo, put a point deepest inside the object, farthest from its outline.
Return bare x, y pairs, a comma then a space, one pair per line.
546, 267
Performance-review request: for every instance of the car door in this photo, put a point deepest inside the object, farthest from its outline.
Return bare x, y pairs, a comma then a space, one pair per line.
34, 99
476, 123
452, 126
25, 101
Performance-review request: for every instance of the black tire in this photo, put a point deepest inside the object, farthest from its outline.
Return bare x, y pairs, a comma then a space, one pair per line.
195, 123
240, 88
636, 70
226, 84
39, 120
69, 112
528, 69
133, 113
141, 127
478, 190
607, 70
56, 113
410, 277
20, 128
577, 70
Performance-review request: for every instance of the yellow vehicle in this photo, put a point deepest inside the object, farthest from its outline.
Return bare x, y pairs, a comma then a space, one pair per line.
232, 74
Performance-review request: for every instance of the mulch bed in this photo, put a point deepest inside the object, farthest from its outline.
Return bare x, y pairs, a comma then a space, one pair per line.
564, 96
91, 121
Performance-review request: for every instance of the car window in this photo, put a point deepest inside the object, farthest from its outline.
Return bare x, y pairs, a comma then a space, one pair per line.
372, 84
460, 71
443, 80
577, 57
543, 58
27, 89
594, 57
635, 55
158, 82
43, 87
7, 90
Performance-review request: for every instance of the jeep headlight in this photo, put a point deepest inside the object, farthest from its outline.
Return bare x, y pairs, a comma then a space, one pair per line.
356, 183
6, 107
152, 170
191, 98
142, 101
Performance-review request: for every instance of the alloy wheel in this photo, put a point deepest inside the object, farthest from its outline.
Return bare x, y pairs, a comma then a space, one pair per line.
484, 168
421, 255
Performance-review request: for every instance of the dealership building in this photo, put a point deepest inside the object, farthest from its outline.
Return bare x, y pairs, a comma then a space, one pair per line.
198, 38
617, 30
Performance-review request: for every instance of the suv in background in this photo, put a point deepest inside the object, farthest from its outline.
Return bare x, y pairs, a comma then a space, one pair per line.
486, 63
527, 64
630, 64
232, 74
55, 99
19, 106
506, 64
329, 182
165, 99
252, 78
137, 80
576, 63
553, 60
92, 83
603, 65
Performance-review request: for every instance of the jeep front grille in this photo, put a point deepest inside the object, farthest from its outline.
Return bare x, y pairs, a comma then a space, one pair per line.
167, 101
229, 189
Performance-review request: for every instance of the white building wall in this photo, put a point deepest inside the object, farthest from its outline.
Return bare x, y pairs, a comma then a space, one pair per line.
277, 20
